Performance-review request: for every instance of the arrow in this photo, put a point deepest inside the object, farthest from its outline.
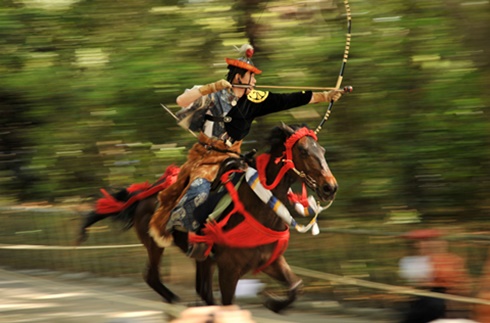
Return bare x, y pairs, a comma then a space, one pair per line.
346, 89
175, 117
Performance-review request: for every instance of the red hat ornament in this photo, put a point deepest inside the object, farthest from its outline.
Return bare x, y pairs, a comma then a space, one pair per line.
245, 60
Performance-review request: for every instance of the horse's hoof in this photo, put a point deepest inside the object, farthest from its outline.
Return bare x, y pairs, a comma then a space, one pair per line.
82, 237
174, 299
275, 303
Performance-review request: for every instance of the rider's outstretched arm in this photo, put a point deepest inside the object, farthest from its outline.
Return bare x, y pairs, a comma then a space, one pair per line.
326, 96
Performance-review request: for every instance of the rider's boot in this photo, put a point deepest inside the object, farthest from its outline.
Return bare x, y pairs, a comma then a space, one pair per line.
197, 251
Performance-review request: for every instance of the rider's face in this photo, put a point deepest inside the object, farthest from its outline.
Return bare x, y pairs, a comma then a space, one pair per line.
249, 79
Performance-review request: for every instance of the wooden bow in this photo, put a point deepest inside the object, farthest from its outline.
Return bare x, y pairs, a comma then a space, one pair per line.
342, 67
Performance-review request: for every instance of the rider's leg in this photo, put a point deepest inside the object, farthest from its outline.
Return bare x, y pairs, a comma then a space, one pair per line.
183, 213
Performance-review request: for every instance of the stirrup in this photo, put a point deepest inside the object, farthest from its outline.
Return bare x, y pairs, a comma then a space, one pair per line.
197, 251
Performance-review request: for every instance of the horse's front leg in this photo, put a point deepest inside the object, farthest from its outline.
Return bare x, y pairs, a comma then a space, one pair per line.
204, 280
281, 271
228, 279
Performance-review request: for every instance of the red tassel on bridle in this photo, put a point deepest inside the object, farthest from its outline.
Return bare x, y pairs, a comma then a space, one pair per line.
299, 198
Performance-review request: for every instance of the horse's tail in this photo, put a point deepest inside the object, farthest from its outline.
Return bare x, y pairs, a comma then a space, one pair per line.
126, 216
88, 219
121, 206
123, 215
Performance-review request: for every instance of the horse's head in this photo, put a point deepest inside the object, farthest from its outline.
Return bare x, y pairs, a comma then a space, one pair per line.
306, 158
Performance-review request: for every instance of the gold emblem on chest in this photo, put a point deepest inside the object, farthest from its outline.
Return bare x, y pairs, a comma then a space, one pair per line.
257, 96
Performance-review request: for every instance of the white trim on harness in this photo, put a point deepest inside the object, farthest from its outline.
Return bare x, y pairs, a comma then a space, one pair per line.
252, 177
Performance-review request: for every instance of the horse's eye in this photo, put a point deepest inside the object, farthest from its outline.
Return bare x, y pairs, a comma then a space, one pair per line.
303, 151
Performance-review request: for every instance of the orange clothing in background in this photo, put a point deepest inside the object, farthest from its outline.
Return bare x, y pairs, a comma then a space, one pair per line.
482, 312
449, 271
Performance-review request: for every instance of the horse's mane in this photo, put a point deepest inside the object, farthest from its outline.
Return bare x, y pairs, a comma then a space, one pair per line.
278, 136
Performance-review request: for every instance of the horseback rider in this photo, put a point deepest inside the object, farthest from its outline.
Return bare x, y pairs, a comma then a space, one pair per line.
223, 112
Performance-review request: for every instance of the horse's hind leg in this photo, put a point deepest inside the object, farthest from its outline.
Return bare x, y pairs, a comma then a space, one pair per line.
142, 216
281, 271
152, 276
204, 280
89, 219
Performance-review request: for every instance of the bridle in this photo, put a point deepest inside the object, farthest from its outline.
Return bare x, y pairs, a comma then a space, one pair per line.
287, 161
287, 164
288, 155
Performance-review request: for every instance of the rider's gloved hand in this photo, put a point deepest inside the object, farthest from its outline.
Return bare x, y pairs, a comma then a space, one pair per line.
214, 87
327, 96
249, 158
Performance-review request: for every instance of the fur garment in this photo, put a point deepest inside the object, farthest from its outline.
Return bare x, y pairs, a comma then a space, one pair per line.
202, 162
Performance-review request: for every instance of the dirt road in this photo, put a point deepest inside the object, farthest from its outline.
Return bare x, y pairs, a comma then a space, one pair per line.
41, 296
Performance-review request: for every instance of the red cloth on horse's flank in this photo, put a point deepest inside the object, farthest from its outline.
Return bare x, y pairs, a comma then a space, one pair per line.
250, 233
108, 204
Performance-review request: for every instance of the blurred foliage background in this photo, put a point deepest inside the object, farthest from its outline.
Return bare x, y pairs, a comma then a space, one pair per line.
81, 84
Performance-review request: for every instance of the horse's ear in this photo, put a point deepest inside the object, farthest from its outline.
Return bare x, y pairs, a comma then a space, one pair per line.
286, 128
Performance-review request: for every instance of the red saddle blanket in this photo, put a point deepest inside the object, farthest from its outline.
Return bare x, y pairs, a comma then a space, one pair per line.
109, 204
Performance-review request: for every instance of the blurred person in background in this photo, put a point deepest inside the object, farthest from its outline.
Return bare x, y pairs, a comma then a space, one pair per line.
482, 312
432, 267
214, 314
223, 113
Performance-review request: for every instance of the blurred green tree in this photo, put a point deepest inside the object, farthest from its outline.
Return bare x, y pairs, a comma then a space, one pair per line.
82, 82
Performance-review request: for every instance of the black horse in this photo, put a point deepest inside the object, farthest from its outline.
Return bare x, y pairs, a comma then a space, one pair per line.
294, 155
